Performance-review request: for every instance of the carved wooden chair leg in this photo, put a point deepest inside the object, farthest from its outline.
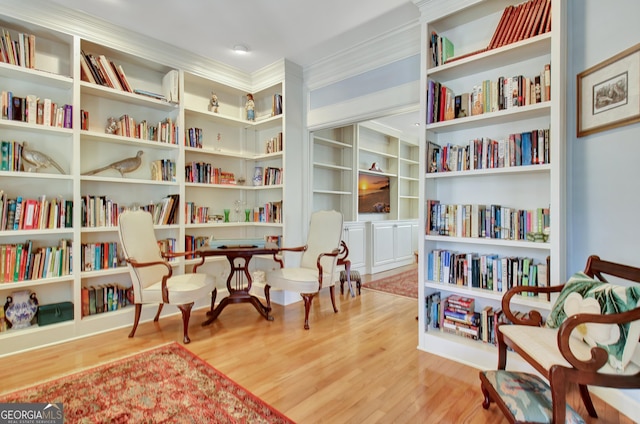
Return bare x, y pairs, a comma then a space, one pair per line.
267, 297
333, 298
157, 317
308, 298
136, 318
186, 314
586, 398
502, 351
558, 393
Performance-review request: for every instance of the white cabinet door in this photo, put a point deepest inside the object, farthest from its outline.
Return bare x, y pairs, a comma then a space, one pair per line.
383, 246
355, 238
403, 241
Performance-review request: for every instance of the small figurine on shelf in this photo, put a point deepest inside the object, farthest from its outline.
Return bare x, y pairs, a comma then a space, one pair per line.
122, 166
213, 103
250, 106
375, 167
34, 160
112, 125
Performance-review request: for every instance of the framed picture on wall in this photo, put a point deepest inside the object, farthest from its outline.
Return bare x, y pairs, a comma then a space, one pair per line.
609, 93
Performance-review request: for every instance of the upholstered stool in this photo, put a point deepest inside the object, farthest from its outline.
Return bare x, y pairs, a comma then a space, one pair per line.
522, 397
355, 276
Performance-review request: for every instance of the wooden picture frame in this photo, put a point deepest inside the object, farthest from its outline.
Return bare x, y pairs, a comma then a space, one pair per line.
609, 93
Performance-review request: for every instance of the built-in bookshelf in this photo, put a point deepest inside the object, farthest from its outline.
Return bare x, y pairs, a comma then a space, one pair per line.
380, 233
143, 112
492, 165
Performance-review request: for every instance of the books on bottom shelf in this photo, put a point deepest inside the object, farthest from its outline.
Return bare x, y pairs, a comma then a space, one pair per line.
455, 314
105, 298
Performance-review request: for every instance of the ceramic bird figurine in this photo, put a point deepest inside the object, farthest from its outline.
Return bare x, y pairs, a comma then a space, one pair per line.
34, 159
122, 166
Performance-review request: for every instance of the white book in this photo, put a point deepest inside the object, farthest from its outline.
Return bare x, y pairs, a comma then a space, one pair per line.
47, 112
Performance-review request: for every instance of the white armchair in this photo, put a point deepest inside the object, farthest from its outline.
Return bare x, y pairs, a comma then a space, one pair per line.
152, 275
317, 265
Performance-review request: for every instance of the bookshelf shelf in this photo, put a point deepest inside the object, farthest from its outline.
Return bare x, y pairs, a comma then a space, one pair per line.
126, 97
35, 76
94, 136
539, 45
528, 188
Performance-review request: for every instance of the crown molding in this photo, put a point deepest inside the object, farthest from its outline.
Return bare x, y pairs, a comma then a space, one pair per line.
389, 47
432, 10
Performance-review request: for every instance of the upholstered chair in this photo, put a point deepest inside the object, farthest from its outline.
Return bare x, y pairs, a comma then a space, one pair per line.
152, 275
317, 267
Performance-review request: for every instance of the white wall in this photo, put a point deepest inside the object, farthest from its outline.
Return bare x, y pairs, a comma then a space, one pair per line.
604, 172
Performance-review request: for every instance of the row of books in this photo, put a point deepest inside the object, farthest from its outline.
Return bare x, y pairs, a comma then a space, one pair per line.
98, 69
97, 256
276, 106
18, 50
443, 313
522, 21
11, 152
165, 212
488, 96
486, 221
489, 272
206, 173
101, 211
163, 170
34, 214
517, 22
105, 298
192, 243
196, 214
33, 110
165, 131
274, 144
517, 149
269, 212
25, 261
193, 138
271, 176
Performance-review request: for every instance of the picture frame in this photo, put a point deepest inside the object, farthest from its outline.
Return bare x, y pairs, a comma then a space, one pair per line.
608, 94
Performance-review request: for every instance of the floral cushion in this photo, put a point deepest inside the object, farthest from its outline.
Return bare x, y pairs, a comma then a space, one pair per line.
583, 294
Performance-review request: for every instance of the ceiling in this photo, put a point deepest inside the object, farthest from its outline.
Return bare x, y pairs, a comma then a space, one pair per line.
302, 31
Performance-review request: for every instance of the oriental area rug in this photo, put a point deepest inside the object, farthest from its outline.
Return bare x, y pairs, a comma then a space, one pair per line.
401, 284
168, 384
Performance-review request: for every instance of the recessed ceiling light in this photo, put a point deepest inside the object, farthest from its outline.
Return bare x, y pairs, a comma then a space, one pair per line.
241, 49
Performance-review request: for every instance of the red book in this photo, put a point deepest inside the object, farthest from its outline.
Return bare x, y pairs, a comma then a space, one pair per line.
504, 39
535, 27
524, 21
501, 24
546, 17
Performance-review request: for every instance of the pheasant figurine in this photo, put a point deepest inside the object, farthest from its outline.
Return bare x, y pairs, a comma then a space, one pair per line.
34, 159
122, 166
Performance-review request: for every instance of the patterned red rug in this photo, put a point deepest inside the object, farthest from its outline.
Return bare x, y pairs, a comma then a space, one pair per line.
402, 284
168, 384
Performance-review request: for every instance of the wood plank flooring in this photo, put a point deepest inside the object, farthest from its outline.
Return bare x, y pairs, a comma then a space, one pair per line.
360, 365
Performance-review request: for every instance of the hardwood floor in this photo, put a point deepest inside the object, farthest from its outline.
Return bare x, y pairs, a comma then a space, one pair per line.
360, 365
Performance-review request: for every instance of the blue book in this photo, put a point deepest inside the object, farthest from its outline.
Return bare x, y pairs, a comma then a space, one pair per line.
526, 148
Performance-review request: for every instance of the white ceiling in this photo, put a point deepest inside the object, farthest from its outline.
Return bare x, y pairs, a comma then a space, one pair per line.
302, 31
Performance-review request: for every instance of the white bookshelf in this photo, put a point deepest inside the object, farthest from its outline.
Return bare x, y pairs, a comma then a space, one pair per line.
470, 26
58, 76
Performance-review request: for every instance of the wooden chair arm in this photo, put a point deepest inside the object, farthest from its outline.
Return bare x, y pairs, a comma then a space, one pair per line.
165, 291
599, 356
195, 253
334, 252
287, 249
344, 252
534, 317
